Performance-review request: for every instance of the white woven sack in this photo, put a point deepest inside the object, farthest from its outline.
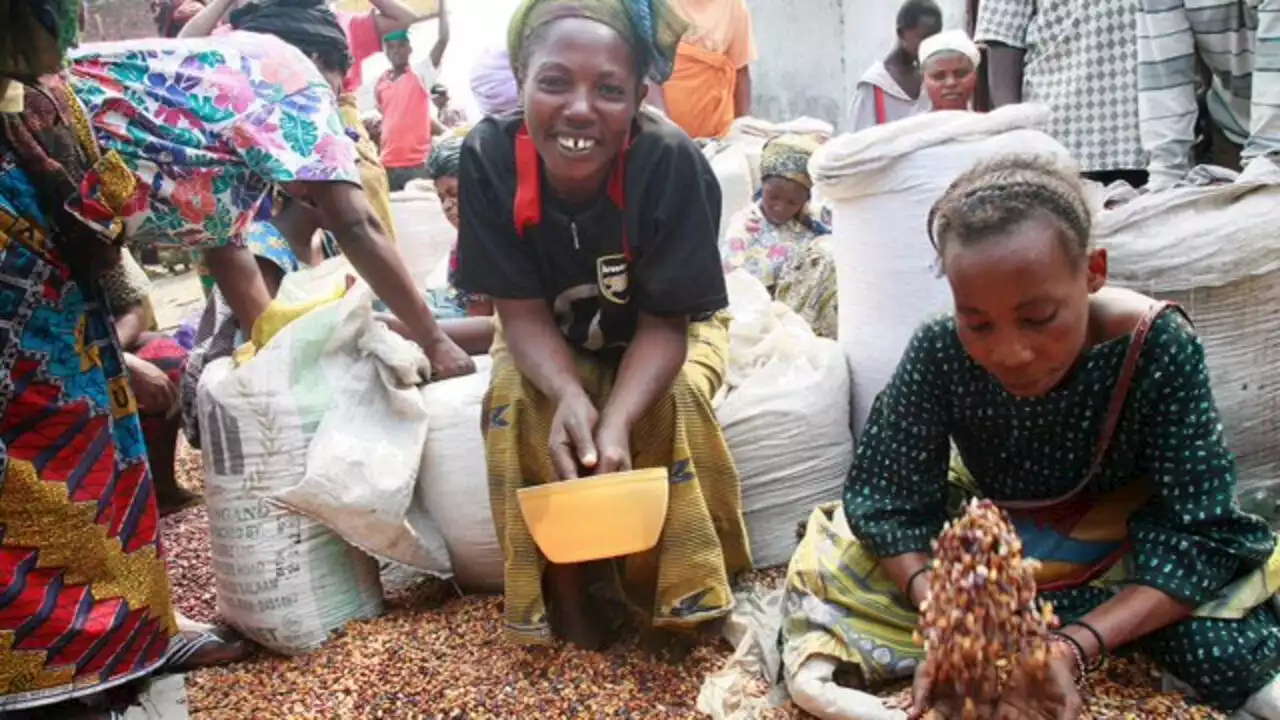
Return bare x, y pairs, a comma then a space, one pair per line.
361, 386
736, 188
453, 481
282, 579
881, 183
424, 236
785, 418
1214, 250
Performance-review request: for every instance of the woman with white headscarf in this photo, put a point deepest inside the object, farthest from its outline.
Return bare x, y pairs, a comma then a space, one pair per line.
949, 63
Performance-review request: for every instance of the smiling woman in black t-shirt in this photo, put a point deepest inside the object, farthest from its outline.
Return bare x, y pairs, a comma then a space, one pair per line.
593, 226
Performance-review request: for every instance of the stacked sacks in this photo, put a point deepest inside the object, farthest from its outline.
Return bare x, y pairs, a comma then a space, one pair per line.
881, 184
1210, 245
785, 416
311, 455
453, 479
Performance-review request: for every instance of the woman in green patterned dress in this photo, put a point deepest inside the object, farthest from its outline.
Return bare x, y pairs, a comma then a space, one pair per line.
1086, 412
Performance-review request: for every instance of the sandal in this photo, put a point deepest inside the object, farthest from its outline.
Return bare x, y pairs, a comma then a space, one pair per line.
192, 650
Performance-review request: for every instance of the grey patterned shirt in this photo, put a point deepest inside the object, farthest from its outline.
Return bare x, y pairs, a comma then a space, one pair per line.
1081, 61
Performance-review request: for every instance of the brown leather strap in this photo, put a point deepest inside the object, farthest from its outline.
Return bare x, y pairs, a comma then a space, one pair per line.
1138, 340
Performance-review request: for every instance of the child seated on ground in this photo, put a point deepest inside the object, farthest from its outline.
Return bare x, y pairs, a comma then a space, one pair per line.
781, 237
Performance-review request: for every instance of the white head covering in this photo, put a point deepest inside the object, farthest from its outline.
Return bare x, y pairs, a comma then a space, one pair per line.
949, 41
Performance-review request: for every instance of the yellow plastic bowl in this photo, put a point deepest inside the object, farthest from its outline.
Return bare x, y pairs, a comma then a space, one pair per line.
593, 518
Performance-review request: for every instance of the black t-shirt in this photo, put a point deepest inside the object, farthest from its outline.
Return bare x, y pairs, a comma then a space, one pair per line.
573, 258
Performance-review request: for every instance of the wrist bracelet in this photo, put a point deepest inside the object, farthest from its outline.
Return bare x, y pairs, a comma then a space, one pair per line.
911, 580
1076, 651
1102, 644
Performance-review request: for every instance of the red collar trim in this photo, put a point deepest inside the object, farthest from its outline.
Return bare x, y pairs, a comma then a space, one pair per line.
527, 211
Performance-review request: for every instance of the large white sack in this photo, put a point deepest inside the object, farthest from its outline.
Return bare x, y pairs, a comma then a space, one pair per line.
750, 134
1214, 250
736, 187
282, 579
453, 480
881, 184
785, 417
358, 386
424, 235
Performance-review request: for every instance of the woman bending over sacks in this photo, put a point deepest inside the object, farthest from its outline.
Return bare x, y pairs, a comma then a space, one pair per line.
593, 226
1085, 412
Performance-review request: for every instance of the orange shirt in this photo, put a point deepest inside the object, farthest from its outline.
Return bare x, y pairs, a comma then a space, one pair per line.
722, 27
720, 42
406, 119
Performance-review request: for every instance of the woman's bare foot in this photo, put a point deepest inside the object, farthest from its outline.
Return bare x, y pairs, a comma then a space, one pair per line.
175, 499
569, 611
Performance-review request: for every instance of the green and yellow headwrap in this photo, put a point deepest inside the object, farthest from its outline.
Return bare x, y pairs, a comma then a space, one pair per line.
787, 156
397, 35
651, 27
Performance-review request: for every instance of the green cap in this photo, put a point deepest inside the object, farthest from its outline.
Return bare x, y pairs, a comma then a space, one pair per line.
397, 35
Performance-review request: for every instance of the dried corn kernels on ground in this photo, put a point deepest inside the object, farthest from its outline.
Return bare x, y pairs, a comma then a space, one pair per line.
981, 614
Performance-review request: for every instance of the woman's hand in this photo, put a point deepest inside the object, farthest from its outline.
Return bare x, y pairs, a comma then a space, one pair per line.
1053, 696
447, 359
930, 701
573, 428
613, 442
155, 392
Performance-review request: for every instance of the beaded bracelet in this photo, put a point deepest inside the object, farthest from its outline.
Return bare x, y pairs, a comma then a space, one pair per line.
1076, 651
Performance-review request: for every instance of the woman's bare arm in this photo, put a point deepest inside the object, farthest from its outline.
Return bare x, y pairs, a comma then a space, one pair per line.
394, 15
649, 367
346, 213
1134, 612
235, 270
206, 21
539, 350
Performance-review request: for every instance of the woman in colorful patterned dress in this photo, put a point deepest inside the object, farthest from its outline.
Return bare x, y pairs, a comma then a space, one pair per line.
1086, 413
155, 362
783, 237
84, 600
208, 127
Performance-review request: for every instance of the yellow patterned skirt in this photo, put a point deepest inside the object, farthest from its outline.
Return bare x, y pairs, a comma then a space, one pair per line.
685, 580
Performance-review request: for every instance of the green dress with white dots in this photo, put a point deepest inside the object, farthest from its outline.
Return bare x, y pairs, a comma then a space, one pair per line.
1186, 535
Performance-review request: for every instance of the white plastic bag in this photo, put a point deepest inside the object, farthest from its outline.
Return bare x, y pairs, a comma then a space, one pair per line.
453, 481
282, 579
364, 385
785, 418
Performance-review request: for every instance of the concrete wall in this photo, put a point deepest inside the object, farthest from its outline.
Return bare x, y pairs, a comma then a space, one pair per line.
801, 69
812, 52
117, 20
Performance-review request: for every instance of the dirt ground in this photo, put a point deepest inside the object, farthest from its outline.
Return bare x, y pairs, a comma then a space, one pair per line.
175, 297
